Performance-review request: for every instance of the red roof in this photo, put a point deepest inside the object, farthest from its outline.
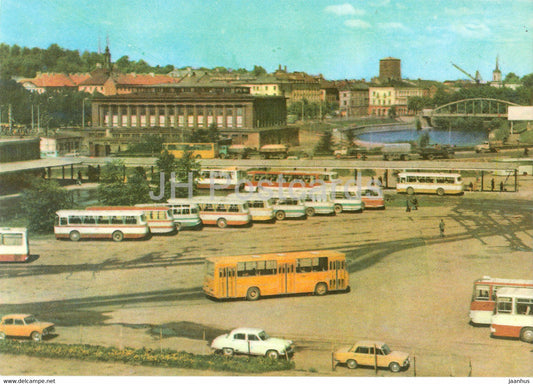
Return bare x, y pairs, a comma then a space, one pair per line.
143, 79
53, 80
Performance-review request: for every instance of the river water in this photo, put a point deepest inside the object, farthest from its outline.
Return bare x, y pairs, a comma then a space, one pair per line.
456, 138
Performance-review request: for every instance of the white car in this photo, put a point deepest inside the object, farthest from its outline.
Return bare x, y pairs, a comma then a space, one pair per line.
251, 341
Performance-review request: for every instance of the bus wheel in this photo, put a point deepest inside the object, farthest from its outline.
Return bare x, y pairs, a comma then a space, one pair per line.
338, 208
178, 227
252, 294
74, 236
222, 155
280, 215
527, 335
117, 236
410, 191
222, 223
321, 289
440, 192
352, 364
310, 211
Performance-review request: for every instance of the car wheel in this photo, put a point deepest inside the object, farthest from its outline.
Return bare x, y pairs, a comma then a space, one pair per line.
36, 336
2, 336
352, 364
394, 367
310, 211
118, 236
253, 294
338, 208
440, 192
526, 335
222, 223
280, 215
321, 289
272, 354
227, 351
74, 236
410, 191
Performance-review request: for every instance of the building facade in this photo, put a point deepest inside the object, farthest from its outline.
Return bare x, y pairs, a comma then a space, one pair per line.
382, 99
390, 69
354, 100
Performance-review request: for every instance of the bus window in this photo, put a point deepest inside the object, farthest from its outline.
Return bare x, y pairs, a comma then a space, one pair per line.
116, 220
63, 221
505, 305
89, 220
233, 208
103, 220
482, 292
74, 220
12, 239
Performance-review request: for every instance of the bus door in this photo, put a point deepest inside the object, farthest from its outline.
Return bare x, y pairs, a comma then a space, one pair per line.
227, 281
286, 277
336, 268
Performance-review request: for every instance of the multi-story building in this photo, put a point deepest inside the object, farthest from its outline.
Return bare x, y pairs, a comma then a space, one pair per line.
174, 111
390, 69
353, 99
383, 98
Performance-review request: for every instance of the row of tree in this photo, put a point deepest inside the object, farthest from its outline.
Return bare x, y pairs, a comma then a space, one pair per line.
118, 187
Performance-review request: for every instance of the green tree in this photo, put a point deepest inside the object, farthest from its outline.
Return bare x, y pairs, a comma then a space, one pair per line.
40, 203
423, 140
187, 169
512, 78
325, 143
117, 190
392, 112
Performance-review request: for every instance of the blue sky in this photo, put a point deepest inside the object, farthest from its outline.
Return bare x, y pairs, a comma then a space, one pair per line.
339, 39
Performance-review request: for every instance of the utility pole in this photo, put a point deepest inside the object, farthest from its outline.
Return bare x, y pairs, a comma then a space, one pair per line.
10, 117
32, 125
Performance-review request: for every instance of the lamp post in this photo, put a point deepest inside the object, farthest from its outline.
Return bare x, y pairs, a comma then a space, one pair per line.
83, 113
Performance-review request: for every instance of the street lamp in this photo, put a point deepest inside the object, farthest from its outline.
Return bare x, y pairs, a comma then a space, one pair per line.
83, 113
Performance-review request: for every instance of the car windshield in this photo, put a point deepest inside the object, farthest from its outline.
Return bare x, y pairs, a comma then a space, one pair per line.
30, 319
385, 348
263, 336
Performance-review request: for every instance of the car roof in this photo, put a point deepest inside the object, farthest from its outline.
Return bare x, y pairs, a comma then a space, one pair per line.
245, 330
17, 315
370, 342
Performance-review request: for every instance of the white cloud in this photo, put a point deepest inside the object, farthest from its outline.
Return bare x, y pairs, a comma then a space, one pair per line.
344, 9
478, 30
356, 23
393, 25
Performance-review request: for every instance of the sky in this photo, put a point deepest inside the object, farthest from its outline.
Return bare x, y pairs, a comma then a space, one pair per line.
339, 39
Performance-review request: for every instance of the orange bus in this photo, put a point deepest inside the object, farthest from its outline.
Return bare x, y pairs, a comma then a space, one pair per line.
253, 276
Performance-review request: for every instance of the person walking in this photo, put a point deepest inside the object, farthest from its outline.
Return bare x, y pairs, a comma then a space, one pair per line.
415, 203
492, 185
441, 227
80, 178
407, 206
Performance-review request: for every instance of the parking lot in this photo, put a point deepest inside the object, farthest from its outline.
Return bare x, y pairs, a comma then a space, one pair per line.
409, 288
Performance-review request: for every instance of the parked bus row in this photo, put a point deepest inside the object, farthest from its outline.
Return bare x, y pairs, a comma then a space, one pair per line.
504, 304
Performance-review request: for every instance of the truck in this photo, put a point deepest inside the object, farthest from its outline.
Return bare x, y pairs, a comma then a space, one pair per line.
435, 152
234, 151
350, 153
488, 146
396, 151
272, 151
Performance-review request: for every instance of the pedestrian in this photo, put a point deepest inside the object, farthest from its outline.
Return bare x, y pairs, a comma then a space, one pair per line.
407, 206
471, 186
415, 203
79, 178
501, 186
492, 184
441, 227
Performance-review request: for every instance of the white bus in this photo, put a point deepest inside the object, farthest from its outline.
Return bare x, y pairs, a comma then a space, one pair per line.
186, 214
220, 178
288, 207
159, 218
260, 206
513, 314
223, 212
117, 225
14, 245
427, 182
318, 203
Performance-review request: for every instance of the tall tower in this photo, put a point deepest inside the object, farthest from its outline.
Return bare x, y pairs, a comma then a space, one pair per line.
390, 69
497, 74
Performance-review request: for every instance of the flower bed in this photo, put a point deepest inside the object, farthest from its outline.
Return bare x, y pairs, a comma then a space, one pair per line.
143, 356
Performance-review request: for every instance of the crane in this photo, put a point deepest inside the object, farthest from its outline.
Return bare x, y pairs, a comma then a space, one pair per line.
477, 79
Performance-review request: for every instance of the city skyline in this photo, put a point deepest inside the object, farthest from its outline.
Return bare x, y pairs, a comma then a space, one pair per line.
338, 39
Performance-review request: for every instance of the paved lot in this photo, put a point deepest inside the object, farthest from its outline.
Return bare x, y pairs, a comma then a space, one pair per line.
410, 288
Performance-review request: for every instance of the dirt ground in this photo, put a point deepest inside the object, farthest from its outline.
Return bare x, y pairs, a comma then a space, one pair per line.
409, 288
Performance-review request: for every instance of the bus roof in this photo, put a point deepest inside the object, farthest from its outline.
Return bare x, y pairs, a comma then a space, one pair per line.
489, 280
13, 230
181, 201
81, 212
147, 207
294, 172
276, 256
218, 200
515, 292
444, 174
